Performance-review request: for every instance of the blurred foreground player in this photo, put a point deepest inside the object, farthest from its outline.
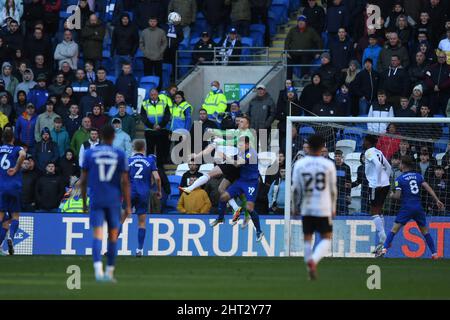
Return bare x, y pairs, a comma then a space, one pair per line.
142, 168
315, 196
407, 189
105, 173
11, 158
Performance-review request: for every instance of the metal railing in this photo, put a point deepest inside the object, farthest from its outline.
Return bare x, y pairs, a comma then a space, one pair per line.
250, 56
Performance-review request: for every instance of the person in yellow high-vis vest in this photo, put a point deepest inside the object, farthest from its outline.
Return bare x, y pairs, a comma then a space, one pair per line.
215, 102
155, 114
181, 112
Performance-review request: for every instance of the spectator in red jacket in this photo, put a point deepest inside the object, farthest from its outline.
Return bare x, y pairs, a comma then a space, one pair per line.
389, 145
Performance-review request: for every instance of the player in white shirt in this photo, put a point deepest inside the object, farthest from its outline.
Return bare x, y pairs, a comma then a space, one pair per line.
315, 195
378, 170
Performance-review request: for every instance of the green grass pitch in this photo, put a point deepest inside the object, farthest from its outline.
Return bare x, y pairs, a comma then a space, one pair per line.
44, 277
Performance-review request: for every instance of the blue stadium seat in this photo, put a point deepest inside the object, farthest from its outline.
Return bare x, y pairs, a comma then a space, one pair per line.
279, 9
167, 70
306, 131
111, 78
174, 180
445, 132
294, 5
148, 83
257, 32
246, 42
355, 134
193, 41
440, 146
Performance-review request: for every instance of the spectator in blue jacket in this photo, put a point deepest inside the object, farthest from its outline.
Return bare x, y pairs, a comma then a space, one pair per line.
80, 85
372, 51
337, 17
38, 96
72, 122
276, 193
127, 84
45, 151
341, 50
60, 136
25, 124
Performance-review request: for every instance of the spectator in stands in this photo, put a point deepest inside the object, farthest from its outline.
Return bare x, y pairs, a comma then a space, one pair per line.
33, 12
416, 99
181, 113
45, 150
351, 72
327, 107
437, 81
80, 136
145, 10
127, 85
74, 202
311, 94
404, 150
11, 82
89, 100
277, 193
204, 44
155, 114
405, 110
195, 202
29, 180
122, 140
128, 122
49, 189
315, 15
191, 175
62, 108
105, 88
67, 51
215, 102
240, 16
439, 183
301, 37
425, 165
231, 118
344, 183
69, 75
21, 104
444, 45
403, 30
45, 120
40, 67
397, 11
60, 136
372, 51
215, 13
380, 109
287, 105
13, 36
261, 110
395, 81
431, 130
393, 47
94, 140
343, 100
230, 47
341, 50
51, 15
438, 12
3, 120
5, 106
25, 125
175, 35
58, 86
423, 25
260, 15
203, 124
330, 76
417, 70
38, 44
124, 42
5, 53
153, 43
338, 16
362, 180
80, 85
389, 145
69, 167
98, 118
365, 86
188, 12
73, 120
92, 35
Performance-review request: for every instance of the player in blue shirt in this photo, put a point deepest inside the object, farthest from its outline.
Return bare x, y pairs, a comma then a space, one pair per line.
105, 173
407, 189
142, 169
11, 159
246, 184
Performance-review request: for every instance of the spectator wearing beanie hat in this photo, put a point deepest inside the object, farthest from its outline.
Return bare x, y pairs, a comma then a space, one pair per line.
45, 120
45, 150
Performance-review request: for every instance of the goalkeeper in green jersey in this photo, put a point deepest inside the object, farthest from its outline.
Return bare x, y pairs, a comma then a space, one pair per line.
225, 148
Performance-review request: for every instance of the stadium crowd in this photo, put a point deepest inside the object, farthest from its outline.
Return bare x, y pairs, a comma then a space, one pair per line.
58, 86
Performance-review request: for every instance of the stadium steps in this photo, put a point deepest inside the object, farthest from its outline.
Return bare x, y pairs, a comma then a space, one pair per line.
277, 47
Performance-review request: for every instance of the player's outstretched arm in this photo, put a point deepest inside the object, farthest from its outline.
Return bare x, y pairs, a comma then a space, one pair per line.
125, 184
83, 186
22, 156
433, 194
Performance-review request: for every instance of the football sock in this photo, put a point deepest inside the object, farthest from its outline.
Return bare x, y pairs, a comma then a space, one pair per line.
13, 228
308, 250
96, 250
198, 183
430, 243
110, 270
255, 219
379, 225
222, 208
112, 253
98, 268
141, 236
321, 250
390, 237
233, 204
3, 232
